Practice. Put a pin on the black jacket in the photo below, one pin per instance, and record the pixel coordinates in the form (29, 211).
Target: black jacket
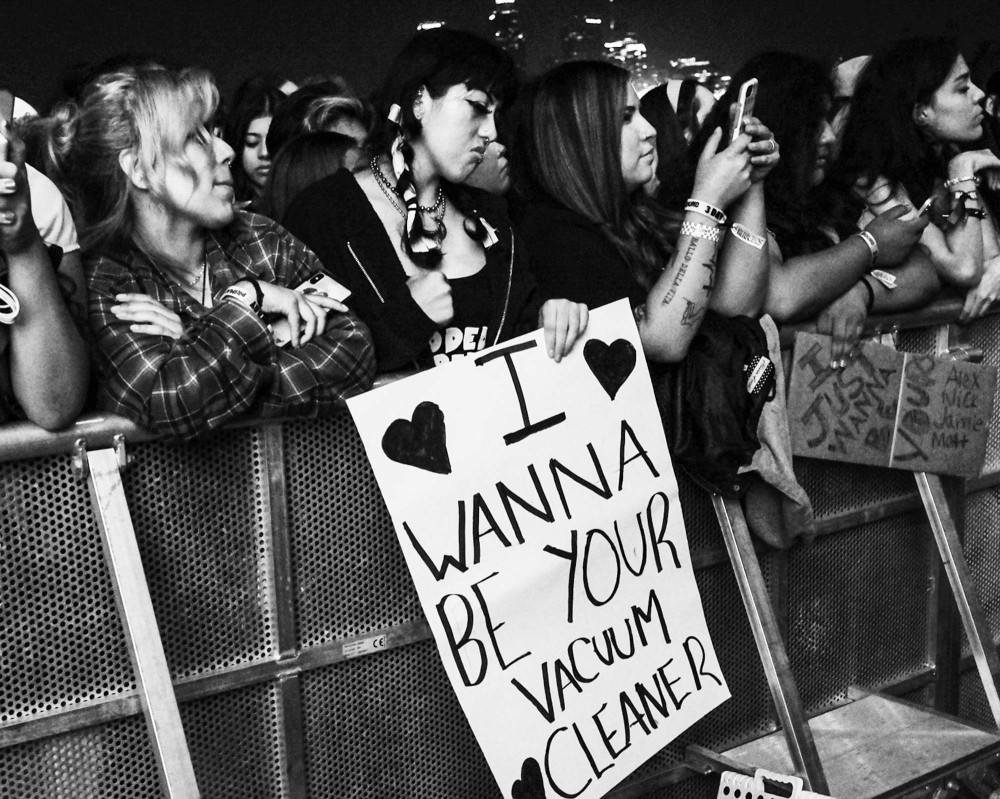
(334, 218)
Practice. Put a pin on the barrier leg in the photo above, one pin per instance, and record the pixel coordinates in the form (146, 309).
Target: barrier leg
(770, 647)
(962, 587)
(135, 608)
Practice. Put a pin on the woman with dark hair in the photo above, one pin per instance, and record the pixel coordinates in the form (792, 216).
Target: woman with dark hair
(432, 263)
(247, 123)
(820, 262)
(915, 115)
(182, 285)
(301, 162)
(582, 156)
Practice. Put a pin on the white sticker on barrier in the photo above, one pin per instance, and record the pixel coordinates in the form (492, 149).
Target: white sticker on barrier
(366, 646)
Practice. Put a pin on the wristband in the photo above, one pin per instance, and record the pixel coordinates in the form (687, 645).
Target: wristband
(871, 243)
(705, 209)
(871, 295)
(698, 231)
(241, 295)
(743, 234)
(257, 291)
(885, 278)
(955, 181)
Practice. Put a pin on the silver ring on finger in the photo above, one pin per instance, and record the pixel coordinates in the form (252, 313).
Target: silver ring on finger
(8, 185)
(7, 217)
(774, 146)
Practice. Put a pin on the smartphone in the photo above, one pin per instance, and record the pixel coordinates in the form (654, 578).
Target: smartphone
(316, 283)
(744, 107)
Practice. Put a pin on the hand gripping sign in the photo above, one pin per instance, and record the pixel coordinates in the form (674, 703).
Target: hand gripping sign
(538, 513)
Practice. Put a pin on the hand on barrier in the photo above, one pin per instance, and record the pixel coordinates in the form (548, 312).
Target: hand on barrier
(843, 320)
(981, 296)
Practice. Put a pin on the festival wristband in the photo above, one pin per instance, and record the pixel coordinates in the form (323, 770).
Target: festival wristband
(743, 234)
(871, 243)
(698, 231)
(885, 278)
(706, 209)
(242, 295)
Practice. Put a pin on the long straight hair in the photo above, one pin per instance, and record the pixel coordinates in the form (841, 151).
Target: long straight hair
(569, 147)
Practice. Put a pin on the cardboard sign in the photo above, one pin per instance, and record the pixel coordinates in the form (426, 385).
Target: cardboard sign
(538, 513)
(889, 408)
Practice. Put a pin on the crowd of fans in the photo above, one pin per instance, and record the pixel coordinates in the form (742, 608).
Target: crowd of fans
(173, 235)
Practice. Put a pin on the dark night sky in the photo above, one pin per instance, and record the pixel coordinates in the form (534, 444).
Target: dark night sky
(358, 37)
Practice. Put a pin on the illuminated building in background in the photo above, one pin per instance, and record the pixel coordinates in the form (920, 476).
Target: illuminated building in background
(507, 30)
(430, 24)
(584, 38)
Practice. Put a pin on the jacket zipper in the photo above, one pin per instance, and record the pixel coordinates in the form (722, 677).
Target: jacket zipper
(365, 273)
(506, 299)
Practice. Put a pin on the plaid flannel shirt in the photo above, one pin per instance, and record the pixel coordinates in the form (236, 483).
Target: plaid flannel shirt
(226, 364)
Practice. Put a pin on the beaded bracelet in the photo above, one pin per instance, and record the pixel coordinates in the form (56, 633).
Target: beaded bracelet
(706, 209)
(698, 231)
(955, 181)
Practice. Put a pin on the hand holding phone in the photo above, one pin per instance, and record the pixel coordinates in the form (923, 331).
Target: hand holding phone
(317, 283)
(744, 108)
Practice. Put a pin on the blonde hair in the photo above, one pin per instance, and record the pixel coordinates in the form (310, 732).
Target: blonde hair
(150, 113)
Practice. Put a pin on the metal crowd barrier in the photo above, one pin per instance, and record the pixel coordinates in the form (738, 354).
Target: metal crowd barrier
(299, 655)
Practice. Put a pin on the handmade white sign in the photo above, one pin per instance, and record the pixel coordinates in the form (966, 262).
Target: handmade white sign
(538, 513)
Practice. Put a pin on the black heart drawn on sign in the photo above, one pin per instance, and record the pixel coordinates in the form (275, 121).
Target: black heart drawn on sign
(610, 363)
(530, 786)
(420, 442)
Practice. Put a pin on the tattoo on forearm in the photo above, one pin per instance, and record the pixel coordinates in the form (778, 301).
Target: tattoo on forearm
(692, 314)
(681, 271)
(710, 266)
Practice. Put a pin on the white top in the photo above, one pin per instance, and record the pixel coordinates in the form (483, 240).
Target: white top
(50, 212)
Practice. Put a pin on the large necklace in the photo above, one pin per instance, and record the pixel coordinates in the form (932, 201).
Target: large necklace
(391, 192)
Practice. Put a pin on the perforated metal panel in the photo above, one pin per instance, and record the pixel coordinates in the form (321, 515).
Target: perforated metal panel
(197, 511)
(61, 642)
(111, 761)
(837, 488)
(699, 518)
(236, 744)
(749, 713)
(982, 525)
(349, 571)
(859, 608)
(390, 725)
